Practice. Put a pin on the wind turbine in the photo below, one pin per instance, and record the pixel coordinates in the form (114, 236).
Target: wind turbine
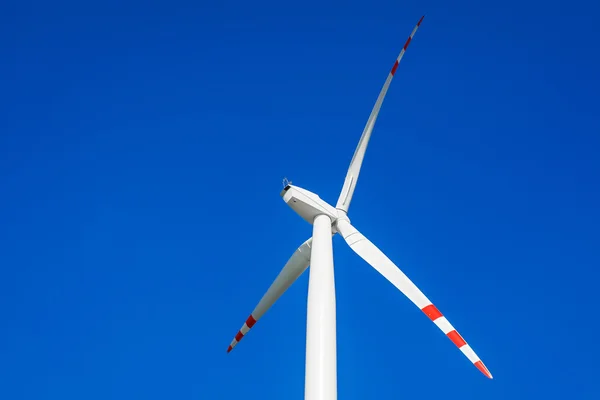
(321, 369)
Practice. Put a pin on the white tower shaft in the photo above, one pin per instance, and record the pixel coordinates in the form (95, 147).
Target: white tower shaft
(321, 366)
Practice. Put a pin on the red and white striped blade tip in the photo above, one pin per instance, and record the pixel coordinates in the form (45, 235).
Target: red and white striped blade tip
(244, 330)
(480, 366)
(438, 318)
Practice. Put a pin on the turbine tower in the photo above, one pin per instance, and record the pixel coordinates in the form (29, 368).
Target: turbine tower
(321, 369)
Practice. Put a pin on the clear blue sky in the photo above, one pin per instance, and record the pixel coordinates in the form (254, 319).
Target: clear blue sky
(142, 148)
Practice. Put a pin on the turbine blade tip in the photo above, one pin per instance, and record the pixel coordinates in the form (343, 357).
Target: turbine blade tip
(421, 20)
(229, 349)
(481, 367)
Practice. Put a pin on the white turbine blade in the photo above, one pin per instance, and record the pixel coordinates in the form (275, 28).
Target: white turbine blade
(295, 266)
(354, 170)
(375, 257)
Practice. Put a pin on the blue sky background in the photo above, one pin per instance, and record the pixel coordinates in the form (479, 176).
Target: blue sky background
(142, 148)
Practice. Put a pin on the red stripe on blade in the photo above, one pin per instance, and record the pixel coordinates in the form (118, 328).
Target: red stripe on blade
(432, 312)
(394, 68)
(456, 339)
(483, 369)
(421, 20)
(229, 349)
(250, 321)
(239, 336)
(407, 43)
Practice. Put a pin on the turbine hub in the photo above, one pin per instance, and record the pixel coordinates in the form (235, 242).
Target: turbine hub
(341, 216)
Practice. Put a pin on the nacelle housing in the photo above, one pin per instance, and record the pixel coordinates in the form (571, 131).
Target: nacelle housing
(307, 204)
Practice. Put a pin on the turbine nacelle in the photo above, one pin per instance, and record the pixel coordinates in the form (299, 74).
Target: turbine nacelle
(307, 204)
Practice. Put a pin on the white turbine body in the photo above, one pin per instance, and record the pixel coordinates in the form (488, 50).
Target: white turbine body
(320, 373)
